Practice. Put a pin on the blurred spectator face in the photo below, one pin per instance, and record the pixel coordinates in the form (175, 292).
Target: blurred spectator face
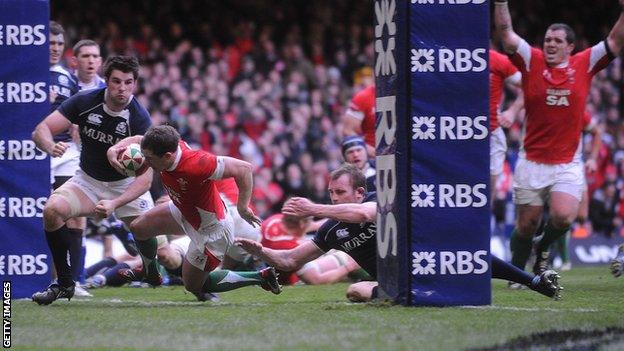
(88, 60)
(356, 155)
(293, 173)
(556, 47)
(57, 45)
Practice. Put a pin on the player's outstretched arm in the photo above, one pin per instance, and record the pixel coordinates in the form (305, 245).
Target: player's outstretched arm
(44, 133)
(351, 212)
(242, 172)
(504, 28)
(615, 39)
(114, 151)
(284, 260)
(138, 187)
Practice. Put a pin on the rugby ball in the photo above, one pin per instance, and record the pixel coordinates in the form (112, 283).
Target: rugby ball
(132, 159)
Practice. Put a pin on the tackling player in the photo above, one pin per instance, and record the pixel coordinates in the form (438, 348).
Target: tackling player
(196, 208)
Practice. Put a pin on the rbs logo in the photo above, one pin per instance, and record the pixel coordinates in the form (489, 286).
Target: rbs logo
(450, 128)
(449, 195)
(23, 92)
(20, 150)
(449, 60)
(22, 207)
(23, 34)
(450, 263)
(23, 264)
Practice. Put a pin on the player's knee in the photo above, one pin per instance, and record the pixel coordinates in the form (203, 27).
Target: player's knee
(561, 221)
(527, 224)
(138, 228)
(527, 228)
(53, 213)
(77, 223)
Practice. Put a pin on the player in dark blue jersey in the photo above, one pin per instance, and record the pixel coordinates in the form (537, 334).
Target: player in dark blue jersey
(352, 229)
(88, 61)
(104, 116)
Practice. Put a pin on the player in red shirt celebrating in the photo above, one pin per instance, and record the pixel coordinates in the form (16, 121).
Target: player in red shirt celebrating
(196, 208)
(555, 84)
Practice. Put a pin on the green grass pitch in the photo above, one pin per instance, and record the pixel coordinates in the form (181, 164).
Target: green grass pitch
(320, 318)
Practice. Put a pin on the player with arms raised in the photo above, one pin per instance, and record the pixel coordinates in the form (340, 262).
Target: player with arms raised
(555, 84)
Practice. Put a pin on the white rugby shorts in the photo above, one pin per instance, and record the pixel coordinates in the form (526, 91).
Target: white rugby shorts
(210, 243)
(97, 190)
(498, 151)
(533, 182)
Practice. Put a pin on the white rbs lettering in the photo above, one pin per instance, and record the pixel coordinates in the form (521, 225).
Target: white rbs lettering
(23, 92)
(22, 34)
(462, 60)
(463, 262)
(462, 195)
(463, 128)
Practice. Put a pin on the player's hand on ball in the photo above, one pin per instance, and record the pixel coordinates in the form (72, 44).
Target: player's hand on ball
(249, 216)
(104, 208)
(58, 149)
(253, 247)
(113, 154)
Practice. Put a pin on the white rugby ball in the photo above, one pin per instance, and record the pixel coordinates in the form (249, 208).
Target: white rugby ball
(132, 159)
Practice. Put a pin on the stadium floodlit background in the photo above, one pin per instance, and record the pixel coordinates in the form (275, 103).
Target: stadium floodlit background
(268, 81)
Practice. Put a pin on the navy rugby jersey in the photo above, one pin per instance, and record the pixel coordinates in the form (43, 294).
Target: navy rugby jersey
(65, 85)
(356, 239)
(97, 83)
(100, 128)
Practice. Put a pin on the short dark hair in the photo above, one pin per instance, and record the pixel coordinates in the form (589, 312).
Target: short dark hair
(126, 64)
(56, 28)
(160, 140)
(570, 36)
(355, 175)
(84, 42)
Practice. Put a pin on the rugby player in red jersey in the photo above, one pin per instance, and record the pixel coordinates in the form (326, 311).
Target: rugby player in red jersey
(555, 84)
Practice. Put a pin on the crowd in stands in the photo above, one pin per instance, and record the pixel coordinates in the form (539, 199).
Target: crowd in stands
(268, 81)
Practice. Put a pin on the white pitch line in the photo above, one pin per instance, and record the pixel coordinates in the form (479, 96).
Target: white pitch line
(532, 309)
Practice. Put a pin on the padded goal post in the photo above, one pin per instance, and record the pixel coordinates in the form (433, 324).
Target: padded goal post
(433, 221)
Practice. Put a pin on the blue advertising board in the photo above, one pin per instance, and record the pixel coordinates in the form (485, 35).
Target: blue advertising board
(432, 140)
(24, 170)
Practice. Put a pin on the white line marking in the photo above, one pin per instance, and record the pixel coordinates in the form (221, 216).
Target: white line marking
(532, 309)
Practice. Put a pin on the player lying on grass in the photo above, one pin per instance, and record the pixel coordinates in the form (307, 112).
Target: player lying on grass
(196, 209)
(352, 229)
(284, 232)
